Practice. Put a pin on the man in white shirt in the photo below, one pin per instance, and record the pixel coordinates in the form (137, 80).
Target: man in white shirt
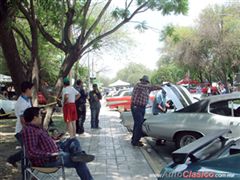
(69, 96)
(23, 102)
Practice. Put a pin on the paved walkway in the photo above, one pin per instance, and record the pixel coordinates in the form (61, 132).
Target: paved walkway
(115, 158)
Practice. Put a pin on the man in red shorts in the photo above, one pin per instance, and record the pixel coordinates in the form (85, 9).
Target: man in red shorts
(69, 96)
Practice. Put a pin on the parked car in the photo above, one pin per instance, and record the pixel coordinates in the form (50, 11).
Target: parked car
(194, 120)
(6, 107)
(199, 119)
(121, 102)
(210, 157)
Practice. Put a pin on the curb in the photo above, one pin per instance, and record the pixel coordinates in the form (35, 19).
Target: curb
(153, 159)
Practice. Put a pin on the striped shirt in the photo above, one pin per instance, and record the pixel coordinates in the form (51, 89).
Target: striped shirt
(38, 144)
(141, 93)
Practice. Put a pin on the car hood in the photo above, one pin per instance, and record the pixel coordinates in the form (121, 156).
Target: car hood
(180, 96)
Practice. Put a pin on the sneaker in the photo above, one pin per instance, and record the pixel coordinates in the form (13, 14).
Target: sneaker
(82, 157)
(80, 131)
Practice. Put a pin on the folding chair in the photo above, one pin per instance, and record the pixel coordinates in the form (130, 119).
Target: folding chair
(31, 171)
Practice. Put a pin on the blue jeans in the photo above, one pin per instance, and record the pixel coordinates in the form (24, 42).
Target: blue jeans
(18, 156)
(69, 147)
(138, 113)
(95, 116)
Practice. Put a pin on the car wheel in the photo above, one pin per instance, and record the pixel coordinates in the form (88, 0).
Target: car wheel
(185, 138)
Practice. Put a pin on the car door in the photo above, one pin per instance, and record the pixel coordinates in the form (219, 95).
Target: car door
(165, 126)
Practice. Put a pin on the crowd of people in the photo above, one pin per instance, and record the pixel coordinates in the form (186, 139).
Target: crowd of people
(43, 150)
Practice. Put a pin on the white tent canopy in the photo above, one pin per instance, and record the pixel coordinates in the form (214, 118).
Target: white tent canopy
(4, 78)
(119, 83)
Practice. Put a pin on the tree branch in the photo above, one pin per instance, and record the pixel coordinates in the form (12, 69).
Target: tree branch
(67, 27)
(84, 24)
(50, 38)
(23, 37)
(97, 20)
(25, 13)
(129, 4)
(114, 29)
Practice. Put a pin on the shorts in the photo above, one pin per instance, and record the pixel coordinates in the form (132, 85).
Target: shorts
(69, 112)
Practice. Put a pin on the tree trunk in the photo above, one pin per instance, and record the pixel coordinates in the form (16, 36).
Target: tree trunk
(35, 62)
(64, 71)
(10, 51)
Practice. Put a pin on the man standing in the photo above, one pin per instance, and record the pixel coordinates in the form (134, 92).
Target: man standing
(23, 102)
(140, 98)
(81, 107)
(95, 105)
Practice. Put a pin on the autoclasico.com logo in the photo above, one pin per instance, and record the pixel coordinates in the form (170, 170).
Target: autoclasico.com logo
(195, 175)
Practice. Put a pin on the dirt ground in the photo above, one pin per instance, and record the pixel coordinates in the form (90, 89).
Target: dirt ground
(8, 145)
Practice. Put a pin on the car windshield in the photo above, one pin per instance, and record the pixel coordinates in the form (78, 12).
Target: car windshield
(119, 92)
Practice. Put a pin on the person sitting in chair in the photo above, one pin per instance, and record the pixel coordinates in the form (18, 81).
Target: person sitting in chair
(42, 151)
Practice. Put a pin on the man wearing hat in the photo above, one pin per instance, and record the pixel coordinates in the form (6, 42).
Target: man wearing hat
(69, 96)
(140, 98)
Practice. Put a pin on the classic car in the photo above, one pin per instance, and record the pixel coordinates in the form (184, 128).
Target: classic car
(178, 94)
(210, 157)
(121, 102)
(6, 107)
(190, 120)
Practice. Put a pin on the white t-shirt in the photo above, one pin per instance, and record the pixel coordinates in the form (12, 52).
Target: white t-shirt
(21, 105)
(71, 92)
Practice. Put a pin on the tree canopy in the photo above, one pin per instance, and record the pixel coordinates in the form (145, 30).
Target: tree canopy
(210, 49)
(132, 73)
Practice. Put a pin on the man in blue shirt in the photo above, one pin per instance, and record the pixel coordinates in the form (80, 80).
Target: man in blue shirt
(160, 104)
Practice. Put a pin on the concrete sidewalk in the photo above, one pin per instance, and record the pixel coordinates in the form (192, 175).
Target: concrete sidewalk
(115, 157)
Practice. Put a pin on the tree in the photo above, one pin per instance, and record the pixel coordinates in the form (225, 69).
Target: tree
(70, 26)
(211, 48)
(132, 73)
(167, 72)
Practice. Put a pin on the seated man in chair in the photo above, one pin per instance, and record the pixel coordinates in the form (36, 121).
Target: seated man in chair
(42, 151)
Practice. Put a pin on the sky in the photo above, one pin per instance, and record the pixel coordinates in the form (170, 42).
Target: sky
(146, 49)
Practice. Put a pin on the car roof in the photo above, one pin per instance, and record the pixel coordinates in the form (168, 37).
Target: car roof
(201, 106)
(223, 97)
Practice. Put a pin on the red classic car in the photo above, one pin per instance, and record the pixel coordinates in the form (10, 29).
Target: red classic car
(121, 102)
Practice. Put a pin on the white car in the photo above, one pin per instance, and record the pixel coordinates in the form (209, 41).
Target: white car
(6, 107)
